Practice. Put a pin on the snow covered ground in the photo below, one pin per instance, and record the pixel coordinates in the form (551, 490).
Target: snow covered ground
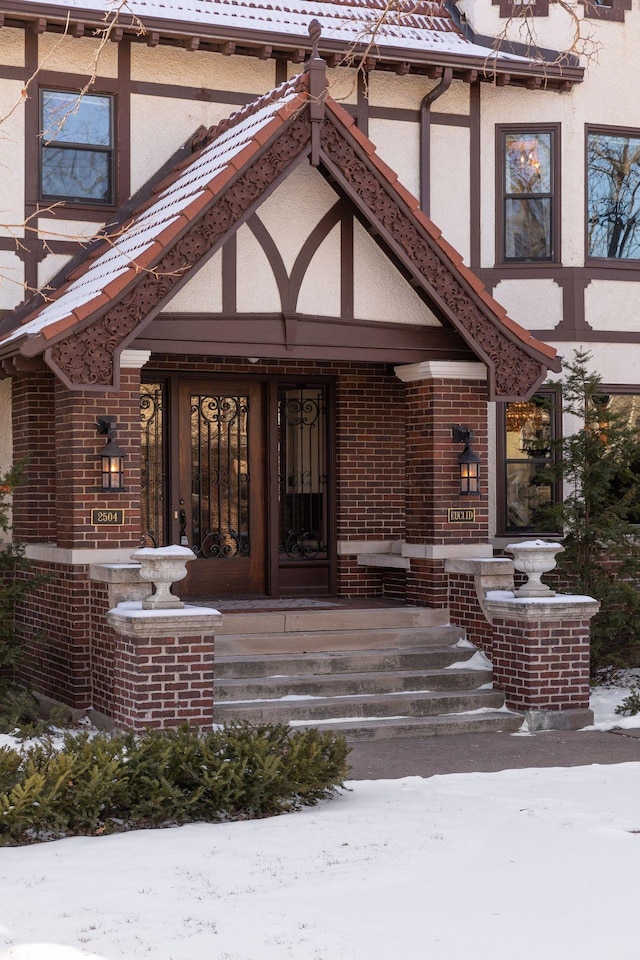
(525, 863)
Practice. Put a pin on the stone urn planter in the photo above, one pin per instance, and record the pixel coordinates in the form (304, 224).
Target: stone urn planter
(163, 566)
(534, 557)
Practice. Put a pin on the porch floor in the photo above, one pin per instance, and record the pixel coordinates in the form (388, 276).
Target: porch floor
(273, 605)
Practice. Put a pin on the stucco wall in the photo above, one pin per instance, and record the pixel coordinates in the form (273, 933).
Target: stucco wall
(200, 69)
(88, 55)
(11, 47)
(450, 195)
(381, 293)
(11, 158)
(536, 304)
(154, 143)
(604, 312)
(11, 280)
(398, 144)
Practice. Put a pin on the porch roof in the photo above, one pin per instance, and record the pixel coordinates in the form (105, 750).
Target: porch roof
(124, 278)
(420, 34)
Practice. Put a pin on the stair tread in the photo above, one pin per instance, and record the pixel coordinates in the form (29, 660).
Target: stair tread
(337, 654)
(287, 700)
(347, 677)
(443, 724)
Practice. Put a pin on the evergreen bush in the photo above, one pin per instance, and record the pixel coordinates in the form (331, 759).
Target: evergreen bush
(101, 784)
(598, 516)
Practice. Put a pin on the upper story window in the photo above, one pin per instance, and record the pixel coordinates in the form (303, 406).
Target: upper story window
(527, 230)
(606, 9)
(613, 195)
(77, 147)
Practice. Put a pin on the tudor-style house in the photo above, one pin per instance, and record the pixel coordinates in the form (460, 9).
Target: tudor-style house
(306, 275)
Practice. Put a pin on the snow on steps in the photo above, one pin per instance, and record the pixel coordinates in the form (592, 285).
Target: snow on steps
(405, 673)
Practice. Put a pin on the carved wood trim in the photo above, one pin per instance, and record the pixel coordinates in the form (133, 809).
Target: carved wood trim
(87, 357)
(513, 373)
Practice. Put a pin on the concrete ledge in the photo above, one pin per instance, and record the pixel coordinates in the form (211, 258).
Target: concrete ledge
(51, 553)
(537, 720)
(123, 581)
(348, 548)
(501, 603)
(445, 551)
(115, 572)
(383, 560)
(131, 620)
(480, 566)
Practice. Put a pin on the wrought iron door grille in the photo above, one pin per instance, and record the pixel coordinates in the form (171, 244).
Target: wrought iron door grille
(220, 476)
(153, 472)
(302, 474)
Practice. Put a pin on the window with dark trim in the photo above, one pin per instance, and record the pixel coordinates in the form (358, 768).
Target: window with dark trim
(526, 431)
(613, 194)
(76, 147)
(523, 8)
(610, 10)
(528, 225)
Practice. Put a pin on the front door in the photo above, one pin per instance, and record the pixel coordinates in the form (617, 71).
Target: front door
(240, 471)
(220, 501)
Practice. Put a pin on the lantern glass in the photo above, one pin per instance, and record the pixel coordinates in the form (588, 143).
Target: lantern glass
(469, 478)
(112, 472)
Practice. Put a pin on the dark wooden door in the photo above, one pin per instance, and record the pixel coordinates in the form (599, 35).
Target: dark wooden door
(220, 504)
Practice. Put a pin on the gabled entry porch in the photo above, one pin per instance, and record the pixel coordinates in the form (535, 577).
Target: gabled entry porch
(301, 375)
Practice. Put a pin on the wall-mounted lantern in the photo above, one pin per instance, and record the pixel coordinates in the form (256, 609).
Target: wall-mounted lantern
(111, 456)
(469, 462)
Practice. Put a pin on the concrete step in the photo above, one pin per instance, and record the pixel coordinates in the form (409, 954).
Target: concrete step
(406, 704)
(321, 640)
(349, 661)
(340, 618)
(489, 721)
(350, 684)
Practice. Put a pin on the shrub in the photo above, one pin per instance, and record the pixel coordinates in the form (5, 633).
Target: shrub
(103, 784)
(599, 515)
(630, 706)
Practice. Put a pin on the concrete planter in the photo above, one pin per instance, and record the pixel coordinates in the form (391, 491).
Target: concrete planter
(534, 557)
(163, 566)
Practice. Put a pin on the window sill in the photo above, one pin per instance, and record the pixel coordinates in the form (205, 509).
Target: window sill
(63, 210)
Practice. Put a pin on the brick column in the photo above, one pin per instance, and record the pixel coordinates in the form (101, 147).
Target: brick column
(56, 427)
(541, 658)
(162, 666)
(439, 395)
(539, 647)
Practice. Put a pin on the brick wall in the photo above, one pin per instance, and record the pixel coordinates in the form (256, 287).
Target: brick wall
(163, 681)
(34, 441)
(78, 480)
(433, 407)
(542, 666)
(54, 622)
(465, 611)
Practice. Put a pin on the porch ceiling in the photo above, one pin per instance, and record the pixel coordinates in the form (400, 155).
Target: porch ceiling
(129, 275)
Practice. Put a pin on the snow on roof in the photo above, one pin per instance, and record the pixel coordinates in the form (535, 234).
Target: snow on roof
(130, 250)
(424, 25)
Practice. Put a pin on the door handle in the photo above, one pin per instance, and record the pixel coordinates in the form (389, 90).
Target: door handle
(182, 516)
